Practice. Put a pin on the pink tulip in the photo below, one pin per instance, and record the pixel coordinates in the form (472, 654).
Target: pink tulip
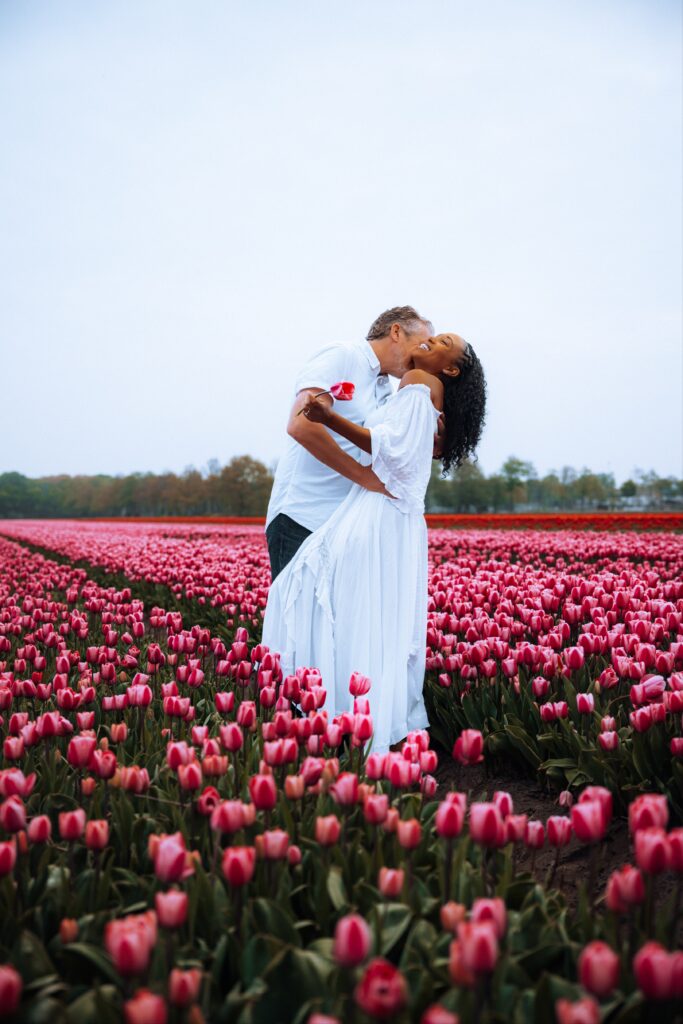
(352, 940)
(486, 825)
(238, 864)
(171, 908)
(598, 969)
(184, 986)
(469, 747)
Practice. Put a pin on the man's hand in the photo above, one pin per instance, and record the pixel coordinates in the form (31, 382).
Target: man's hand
(439, 438)
(316, 409)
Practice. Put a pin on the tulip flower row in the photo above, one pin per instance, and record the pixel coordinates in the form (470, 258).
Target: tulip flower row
(175, 835)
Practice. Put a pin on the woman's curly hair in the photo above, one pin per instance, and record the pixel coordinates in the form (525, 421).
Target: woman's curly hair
(464, 407)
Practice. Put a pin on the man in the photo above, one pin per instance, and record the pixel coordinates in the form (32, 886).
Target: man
(318, 468)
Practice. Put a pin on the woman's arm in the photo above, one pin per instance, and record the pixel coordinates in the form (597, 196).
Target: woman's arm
(318, 411)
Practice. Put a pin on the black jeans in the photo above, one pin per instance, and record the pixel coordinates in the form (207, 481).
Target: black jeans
(284, 537)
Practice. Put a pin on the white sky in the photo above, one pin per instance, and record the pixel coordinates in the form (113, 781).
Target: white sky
(195, 196)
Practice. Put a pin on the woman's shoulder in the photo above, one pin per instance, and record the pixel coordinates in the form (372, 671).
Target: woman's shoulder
(427, 380)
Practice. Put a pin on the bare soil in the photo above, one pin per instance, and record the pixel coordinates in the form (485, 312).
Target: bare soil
(531, 798)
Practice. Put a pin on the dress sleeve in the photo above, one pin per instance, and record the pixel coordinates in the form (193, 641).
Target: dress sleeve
(331, 364)
(403, 442)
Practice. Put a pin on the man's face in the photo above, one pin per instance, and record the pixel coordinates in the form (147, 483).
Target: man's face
(411, 342)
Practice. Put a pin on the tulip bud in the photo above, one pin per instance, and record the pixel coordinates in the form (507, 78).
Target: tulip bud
(390, 882)
(598, 969)
(351, 941)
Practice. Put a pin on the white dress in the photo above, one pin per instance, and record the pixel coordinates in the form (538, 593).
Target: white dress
(354, 597)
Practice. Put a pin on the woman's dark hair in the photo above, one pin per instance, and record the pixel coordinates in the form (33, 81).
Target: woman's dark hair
(464, 407)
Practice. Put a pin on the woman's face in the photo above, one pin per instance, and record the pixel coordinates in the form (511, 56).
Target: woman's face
(439, 354)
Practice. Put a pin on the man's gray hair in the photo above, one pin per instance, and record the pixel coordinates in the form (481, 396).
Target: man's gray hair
(409, 319)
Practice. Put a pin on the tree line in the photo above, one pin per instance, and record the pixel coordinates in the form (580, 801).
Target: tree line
(242, 488)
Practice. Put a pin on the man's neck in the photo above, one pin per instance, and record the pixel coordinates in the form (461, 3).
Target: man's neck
(389, 361)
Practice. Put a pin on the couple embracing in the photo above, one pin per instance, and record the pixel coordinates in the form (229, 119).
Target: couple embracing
(345, 526)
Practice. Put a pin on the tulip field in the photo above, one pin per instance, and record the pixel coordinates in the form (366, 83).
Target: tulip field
(186, 835)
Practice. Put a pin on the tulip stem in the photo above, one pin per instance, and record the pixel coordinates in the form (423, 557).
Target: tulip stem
(448, 865)
(676, 911)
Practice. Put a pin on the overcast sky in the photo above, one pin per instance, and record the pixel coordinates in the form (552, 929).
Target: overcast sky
(195, 196)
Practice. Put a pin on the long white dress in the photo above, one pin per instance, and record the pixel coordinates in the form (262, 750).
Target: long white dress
(354, 597)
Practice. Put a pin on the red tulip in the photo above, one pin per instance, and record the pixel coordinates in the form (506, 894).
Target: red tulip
(585, 703)
(469, 747)
(11, 987)
(583, 1011)
(183, 986)
(390, 882)
(103, 763)
(650, 810)
(601, 794)
(145, 1008)
(345, 789)
(574, 658)
(460, 974)
(449, 820)
(68, 930)
(228, 816)
(589, 821)
(343, 392)
(39, 829)
(359, 684)
(352, 940)
(652, 850)
(8, 857)
(238, 864)
(535, 835)
(409, 833)
(72, 824)
(598, 969)
(375, 808)
(559, 830)
(675, 838)
(479, 944)
(263, 792)
(327, 830)
(97, 834)
(676, 746)
(170, 858)
(625, 888)
(653, 970)
(452, 915)
(273, 844)
(608, 740)
(13, 814)
(190, 776)
(515, 828)
(486, 825)
(490, 910)
(382, 991)
(129, 942)
(171, 908)
(504, 803)
(80, 750)
(437, 1014)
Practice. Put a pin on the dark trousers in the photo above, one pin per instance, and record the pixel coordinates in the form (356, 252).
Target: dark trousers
(284, 538)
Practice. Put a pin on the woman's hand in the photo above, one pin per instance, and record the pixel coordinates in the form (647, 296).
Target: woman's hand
(316, 411)
(371, 482)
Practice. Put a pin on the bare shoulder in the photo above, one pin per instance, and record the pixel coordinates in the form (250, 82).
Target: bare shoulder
(422, 377)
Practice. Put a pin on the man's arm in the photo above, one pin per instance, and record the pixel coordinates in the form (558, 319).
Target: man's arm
(316, 440)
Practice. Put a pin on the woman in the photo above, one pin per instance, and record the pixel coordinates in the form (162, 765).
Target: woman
(354, 597)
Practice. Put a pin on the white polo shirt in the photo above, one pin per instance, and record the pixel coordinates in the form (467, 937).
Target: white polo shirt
(305, 489)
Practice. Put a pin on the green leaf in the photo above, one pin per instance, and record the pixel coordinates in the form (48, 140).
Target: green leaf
(94, 957)
(336, 889)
